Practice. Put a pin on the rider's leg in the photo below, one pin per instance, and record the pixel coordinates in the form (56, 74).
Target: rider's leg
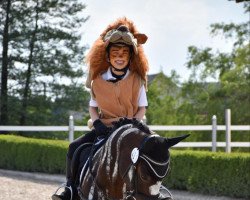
(70, 189)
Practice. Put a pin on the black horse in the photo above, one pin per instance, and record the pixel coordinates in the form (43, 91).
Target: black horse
(130, 165)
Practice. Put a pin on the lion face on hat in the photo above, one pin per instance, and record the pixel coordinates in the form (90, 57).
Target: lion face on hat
(124, 31)
(121, 35)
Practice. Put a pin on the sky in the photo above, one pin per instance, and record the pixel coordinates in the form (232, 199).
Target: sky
(171, 26)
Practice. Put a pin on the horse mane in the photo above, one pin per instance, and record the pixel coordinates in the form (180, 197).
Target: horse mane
(135, 122)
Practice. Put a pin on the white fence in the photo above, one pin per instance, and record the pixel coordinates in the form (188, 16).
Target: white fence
(228, 144)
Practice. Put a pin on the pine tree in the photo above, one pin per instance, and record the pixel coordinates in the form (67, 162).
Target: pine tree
(45, 52)
(4, 14)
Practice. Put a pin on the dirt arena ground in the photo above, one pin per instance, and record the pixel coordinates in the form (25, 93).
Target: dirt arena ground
(33, 186)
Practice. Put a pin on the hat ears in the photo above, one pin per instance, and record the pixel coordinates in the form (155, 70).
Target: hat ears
(141, 38)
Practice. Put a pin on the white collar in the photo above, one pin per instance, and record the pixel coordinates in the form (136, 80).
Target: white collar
(108, 75)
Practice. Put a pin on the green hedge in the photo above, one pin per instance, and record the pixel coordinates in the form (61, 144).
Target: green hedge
(210, 173)
(205, 172)
(27, 154)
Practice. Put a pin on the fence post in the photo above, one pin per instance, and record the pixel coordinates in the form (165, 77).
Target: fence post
(214, 133)
(144, 119)
(228, 130)
(71, 128)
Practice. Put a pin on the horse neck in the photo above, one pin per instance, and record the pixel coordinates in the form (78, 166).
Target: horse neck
(114, 158)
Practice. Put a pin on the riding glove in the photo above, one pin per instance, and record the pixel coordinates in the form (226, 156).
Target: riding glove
(101, 129)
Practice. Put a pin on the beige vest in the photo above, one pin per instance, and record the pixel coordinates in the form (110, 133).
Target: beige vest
(116, 100)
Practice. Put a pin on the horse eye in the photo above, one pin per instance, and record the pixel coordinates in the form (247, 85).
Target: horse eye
(143, 177)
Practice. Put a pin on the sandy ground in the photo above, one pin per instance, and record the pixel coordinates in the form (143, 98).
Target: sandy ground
(21, 189)
(30, 186)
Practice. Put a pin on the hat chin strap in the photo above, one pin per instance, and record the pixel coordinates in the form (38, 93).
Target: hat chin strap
(125, 69)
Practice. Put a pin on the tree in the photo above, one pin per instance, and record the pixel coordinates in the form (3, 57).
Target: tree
(163, 99)
(232, 70)
(197, 100)
(45, 51)
(5, 12)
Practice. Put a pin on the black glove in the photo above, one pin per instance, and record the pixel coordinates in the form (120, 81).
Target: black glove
(101, 129)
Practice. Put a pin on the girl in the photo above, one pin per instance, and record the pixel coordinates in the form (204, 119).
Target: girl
(117, 79)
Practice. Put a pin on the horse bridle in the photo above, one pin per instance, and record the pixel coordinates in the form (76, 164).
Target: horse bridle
(133, 191)
(130, 194)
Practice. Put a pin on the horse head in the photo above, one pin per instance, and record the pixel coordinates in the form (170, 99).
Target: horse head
(153, 165)
(131, 164)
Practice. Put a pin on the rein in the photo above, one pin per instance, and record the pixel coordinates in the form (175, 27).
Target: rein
(93, 175)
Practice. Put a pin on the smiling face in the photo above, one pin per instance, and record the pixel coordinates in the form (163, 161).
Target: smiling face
(119, 56)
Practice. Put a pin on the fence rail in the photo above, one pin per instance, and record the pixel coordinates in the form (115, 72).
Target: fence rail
(152, 127)
(213, 128)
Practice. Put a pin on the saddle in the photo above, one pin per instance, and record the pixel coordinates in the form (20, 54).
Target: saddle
(82, 158)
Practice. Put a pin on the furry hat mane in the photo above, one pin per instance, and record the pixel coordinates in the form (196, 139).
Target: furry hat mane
(96, 58)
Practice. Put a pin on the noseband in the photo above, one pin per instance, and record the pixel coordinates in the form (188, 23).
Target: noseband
(135, 155)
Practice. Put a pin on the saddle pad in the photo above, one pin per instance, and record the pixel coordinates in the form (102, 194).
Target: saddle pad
(86, 164)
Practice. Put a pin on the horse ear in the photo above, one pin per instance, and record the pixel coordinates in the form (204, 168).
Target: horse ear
(173, 141)
(141, 38)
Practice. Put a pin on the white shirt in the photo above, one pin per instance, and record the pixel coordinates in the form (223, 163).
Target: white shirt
(142, 99)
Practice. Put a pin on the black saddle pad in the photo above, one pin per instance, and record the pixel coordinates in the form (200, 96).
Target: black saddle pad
(79, 158)
(85, 155)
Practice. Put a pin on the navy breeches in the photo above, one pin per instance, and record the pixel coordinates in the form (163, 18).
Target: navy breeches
(87, 138)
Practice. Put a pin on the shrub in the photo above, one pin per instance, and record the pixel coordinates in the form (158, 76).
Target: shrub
(204, 172)
(211, 173)
(27, 154)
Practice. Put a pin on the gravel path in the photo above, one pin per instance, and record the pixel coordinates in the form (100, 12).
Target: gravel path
(35, 186)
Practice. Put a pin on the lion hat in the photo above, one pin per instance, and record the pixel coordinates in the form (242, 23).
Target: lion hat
(124, 30)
